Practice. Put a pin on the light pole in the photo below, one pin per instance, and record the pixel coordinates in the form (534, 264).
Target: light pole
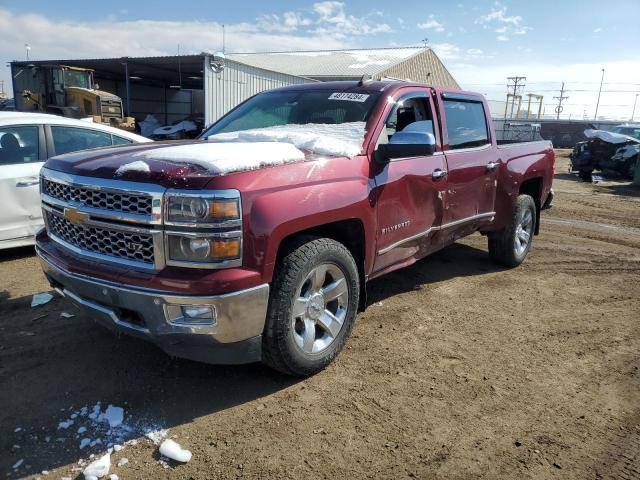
(27, 47)
(599, 92)
(633, 113)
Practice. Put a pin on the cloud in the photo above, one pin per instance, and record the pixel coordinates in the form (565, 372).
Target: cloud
(446, 51)
(332, 19)
(474, 52)
(597, 30)
(500, 16)
(502, 38)
(431, 24)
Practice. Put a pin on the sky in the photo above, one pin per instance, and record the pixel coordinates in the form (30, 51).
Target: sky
(481, 42)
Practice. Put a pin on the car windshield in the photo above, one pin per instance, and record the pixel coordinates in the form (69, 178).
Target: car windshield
(630, 131)
(297, 108)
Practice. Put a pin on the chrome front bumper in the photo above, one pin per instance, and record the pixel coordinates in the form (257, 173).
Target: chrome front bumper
(234, 338)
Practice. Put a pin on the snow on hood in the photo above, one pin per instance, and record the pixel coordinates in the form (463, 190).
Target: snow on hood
(609, 137)
(223, 158)
(341, 140)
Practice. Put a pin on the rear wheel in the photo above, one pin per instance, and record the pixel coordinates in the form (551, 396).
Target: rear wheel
(313, 304)
(510, 246)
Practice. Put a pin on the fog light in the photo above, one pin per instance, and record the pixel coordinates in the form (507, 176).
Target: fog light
(198, 314)
(190, 315)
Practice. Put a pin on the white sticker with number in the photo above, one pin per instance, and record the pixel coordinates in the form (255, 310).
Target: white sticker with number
(349, 97)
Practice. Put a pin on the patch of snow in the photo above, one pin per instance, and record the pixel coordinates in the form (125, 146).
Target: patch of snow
(40, 299)
(67, 315)
(84, 442)
(156, 436)
(66, 424)
(123, 461)
(174, 451)
(113, 415)
(117, 448)
(18, 429)
(185, 125)
(340, 140)
(18, 463)
(223, 158)
(83, 410)
(45, 472)
(137, 166)
(82, 429)
(113, 476)
(98, 468)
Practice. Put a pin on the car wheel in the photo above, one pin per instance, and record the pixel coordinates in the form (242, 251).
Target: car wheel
(312, 306)
(510, 246)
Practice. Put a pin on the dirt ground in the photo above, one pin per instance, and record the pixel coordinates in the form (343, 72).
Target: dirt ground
(458, 369)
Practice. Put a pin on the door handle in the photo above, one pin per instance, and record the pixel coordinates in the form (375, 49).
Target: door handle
(27, 182)
(438, 174)
(492, 165)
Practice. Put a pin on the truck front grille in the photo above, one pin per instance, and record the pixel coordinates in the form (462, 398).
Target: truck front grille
(120, 202)
(111, 109)
(137, 247)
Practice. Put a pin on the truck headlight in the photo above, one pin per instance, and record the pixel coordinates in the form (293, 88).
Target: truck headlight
(204, 208)
(202, 249)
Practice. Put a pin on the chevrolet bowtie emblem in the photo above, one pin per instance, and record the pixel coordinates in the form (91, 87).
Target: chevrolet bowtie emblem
(75, 215)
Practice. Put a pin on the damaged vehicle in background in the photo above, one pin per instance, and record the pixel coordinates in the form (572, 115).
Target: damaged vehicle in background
(607, 151)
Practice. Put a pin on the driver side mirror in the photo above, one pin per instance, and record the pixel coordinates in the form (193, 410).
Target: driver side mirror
(408, 144)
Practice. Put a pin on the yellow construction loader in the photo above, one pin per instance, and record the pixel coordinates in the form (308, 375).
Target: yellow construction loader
(71, 92)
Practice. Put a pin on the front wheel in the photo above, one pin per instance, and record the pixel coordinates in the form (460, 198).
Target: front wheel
(313, 303)
(510, 245)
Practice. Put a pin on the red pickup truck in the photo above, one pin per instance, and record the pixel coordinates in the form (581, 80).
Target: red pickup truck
(256, 241)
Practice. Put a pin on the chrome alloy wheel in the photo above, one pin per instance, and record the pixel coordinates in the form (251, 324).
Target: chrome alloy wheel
(319, 308)
(524, 231)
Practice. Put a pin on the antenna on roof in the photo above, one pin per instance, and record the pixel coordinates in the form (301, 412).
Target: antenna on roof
(365, 80)
(425, 42)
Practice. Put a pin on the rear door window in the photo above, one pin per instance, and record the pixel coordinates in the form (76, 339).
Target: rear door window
(19, 144)
(71, 139)
(121, 140)
(466, 124)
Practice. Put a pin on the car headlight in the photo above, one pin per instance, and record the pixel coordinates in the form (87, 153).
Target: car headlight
(203, 208)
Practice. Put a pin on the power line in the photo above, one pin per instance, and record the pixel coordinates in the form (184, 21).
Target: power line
(517, 84)
(560, 99)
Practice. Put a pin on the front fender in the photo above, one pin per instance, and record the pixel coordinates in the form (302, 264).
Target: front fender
(276, 215)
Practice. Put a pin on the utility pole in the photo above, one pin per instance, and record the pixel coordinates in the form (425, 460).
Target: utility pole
(516, 84)
(633, 113)
(27, 47)
(560, 99)
(599, 92)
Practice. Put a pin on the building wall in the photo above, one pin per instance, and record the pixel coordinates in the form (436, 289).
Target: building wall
(424, 67)
(237, 82)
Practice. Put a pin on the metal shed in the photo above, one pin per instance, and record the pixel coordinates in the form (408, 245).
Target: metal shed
(418, 64)
(170, 88)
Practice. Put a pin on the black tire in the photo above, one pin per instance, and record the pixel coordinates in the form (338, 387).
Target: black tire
(279, 348)
(502, 244)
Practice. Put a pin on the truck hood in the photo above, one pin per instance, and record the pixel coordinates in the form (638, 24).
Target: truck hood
(177, 164)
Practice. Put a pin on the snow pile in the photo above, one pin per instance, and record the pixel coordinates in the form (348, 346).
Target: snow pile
(156, 436)
(138, 166)
(98, 468)
(112, 415)
(222, 158)
(174, 451)
(340, 140)
(40, 299)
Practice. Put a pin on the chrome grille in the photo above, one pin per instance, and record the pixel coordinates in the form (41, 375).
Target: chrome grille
(137, 247)
(105, 200)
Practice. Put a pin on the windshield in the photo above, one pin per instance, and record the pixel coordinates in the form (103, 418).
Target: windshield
(300, 108)
(74, 78)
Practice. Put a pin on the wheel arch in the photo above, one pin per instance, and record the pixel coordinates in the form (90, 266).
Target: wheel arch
(533, 188)
(349, 232)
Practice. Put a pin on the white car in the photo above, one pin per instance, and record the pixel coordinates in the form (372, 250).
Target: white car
(27, 140)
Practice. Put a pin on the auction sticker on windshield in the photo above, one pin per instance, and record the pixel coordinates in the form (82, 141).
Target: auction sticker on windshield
(349, 97)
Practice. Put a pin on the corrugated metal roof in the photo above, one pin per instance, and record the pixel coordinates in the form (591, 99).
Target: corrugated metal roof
(329, 63)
